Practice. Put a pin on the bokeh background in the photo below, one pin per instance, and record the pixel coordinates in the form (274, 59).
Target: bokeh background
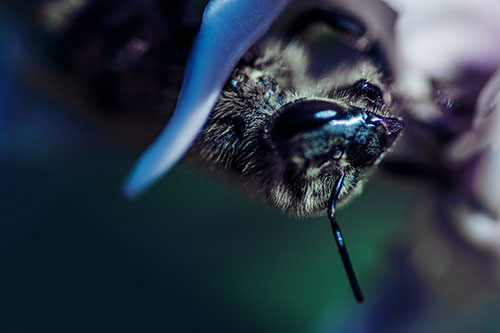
(193, 255)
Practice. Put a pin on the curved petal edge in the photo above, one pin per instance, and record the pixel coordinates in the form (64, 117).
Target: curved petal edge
(228, 30)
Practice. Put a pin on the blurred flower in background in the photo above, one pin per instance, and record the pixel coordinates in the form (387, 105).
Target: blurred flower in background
(448, 59)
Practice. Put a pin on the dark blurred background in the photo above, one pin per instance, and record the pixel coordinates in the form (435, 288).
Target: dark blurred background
(191, 255)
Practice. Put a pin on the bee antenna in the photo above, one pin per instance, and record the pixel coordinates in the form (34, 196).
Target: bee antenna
(339, 239)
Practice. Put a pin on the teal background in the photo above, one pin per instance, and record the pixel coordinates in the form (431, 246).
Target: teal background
(190, 254)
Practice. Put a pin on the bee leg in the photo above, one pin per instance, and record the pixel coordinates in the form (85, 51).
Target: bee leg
(345, 24)
(350, 29)
(339, 239)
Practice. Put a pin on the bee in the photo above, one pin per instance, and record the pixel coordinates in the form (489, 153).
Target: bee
(289, 136)
(306, 112)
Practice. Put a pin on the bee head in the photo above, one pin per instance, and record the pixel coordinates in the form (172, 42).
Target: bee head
(324, 131)
(301, 110)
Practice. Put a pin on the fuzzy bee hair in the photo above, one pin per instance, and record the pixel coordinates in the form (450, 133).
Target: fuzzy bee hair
(142, 82)
(236, 138)
(300, 127)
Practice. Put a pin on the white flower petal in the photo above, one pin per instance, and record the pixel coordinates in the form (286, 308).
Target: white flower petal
(228, 29)
(434, 38)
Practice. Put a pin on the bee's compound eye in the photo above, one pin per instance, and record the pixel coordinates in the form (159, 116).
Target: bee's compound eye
(303, 116)
(369, 91)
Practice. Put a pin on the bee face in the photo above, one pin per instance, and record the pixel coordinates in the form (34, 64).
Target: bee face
(305, 104)
(289, 135)
(301, 122)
